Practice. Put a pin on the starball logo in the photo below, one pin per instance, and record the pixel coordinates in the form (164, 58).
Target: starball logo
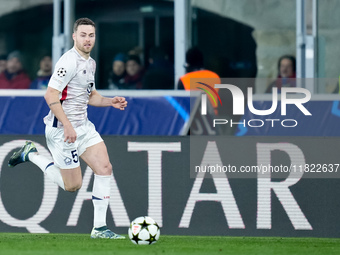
(239, 104)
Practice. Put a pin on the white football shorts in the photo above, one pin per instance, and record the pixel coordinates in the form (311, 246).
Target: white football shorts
(66, 155)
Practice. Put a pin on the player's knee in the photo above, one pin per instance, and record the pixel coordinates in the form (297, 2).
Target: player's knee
(74, 187)
(106, 169)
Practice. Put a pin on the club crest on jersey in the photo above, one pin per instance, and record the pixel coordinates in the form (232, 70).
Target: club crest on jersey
(67, 161)
(89, 88)
(61, 72)
(84, 72)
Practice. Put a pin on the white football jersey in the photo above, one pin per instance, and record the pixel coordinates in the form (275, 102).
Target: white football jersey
(74, 77)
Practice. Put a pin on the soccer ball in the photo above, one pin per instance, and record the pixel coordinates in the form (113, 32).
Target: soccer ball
(144, 230)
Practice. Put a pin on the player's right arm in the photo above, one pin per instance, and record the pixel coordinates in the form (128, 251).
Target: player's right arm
(65, 70)
(52, 100)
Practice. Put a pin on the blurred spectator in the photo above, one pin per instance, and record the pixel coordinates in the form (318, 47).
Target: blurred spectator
(44, 74)
(116, 76)
(134, 73)
(286, 74)
(160, 74)
(14, 77)
(195, 68)
(3, 62)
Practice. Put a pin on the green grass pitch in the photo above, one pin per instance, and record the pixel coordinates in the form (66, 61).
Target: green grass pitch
(74, 244)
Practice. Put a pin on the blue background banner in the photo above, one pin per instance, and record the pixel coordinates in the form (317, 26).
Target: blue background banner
(154, 115)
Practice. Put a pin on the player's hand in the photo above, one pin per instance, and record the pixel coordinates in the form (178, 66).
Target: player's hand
(119, 103)
(69, 134)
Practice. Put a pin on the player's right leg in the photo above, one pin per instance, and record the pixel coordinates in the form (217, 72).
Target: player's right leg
(94, 152)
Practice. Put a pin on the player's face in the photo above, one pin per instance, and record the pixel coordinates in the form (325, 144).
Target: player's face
(84, 39)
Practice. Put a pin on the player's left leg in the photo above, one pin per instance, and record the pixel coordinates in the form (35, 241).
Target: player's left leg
(28, 152)
(97, 158)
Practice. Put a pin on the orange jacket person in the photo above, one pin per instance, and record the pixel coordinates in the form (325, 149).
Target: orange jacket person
(195, 70)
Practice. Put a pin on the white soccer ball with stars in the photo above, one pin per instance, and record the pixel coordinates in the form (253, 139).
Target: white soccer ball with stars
(144, 231)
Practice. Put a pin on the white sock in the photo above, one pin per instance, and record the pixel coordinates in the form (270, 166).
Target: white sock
(100, 199)
(48, 168)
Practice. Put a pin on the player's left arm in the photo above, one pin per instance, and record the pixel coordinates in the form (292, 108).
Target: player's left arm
(99, 101)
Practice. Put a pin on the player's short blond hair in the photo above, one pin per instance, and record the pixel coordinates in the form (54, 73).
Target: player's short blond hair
(82, 21)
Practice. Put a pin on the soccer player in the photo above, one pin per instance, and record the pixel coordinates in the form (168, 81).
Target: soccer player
(69, 133)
